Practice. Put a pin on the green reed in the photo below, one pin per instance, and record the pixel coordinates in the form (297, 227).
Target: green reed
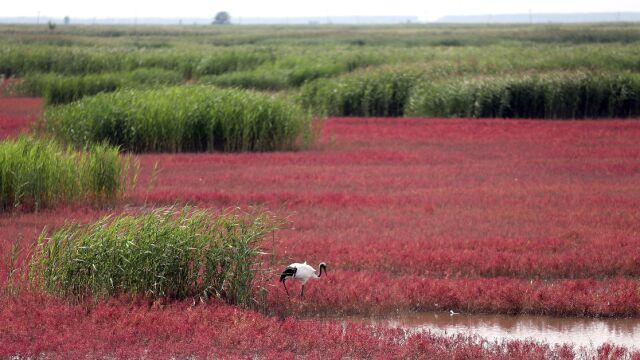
(172, 253)
(37, 173)
(188, 118)
(545, 96)
(62, 89)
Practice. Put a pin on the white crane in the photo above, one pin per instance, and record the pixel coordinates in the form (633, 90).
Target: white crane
(301, 272)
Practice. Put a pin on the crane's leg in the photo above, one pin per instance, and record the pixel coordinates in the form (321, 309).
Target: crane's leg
(285, 288)
(302, 292)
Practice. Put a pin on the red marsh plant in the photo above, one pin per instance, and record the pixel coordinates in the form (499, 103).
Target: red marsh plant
(52, 328)
(411, 214)
(17, 114)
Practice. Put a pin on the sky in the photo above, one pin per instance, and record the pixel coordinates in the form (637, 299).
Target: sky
(425, 10)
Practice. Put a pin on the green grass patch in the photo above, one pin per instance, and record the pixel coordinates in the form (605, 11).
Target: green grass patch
(167, 253)
(294, 70)
(187, 118)
(375, 92)
(231, 60)
(254, 79)
(550, 96)
(37, 173)
(62, 89)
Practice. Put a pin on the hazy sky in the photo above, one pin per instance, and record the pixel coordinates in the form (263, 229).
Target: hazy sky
(425, 10)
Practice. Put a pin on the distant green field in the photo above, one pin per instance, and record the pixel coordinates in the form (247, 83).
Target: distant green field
(328, 69)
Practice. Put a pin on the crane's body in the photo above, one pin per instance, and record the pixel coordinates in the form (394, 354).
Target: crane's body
(301, 272)
(304, 272)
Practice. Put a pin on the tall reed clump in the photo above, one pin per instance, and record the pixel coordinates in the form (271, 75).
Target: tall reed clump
(166, 253)
(222, 61)
(27, 58)
(550, 96)
(293, 70)
(62, 89)
(367, 93)
(24, 59)
(37, 173)
(277, 76)
(192, 118)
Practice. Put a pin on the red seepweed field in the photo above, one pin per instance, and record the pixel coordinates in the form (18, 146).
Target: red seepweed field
(17, 114)
(508, 216)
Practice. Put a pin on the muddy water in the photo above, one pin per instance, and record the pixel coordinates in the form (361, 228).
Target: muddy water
(575, 331)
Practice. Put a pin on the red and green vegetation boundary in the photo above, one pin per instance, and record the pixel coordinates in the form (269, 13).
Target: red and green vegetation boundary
(473, 216)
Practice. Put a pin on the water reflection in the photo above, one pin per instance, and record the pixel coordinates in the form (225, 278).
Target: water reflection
(553, 330)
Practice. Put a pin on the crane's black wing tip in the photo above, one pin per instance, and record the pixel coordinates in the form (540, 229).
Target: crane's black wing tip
(289, 271)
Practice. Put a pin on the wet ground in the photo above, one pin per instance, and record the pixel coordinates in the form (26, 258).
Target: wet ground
(553, 330)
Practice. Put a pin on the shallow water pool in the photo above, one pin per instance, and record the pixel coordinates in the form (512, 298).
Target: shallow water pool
(553, 330)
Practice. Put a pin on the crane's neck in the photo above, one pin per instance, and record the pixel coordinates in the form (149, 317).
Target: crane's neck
(322, 269)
